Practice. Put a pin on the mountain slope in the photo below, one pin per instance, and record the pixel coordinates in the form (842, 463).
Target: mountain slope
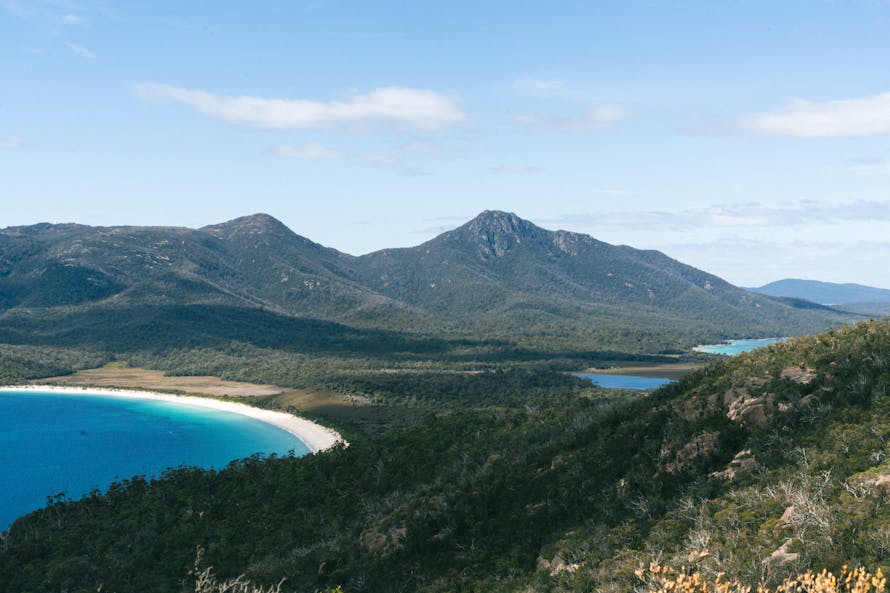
(496, 275)
(500, 266)
(254, 261)
(826, 293)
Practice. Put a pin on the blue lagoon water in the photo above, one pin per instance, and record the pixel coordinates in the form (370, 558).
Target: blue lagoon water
(733, 347)
(54, 443)
(624, 381)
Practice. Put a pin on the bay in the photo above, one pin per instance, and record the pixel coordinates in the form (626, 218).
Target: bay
(53, 443)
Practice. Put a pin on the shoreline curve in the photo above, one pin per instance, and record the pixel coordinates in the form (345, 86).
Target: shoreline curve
(316, 437)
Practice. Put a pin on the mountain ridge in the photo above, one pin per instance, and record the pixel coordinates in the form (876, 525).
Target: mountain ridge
(495, 274)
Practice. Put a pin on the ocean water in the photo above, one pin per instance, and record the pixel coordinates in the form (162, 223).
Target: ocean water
(733, 347)
(624, 381)
(53, 443)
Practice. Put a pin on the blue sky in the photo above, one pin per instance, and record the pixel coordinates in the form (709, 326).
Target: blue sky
(750, 139)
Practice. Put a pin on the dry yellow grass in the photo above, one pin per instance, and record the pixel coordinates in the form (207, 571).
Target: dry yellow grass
(146, 379)
(665, 579)
(666, 371)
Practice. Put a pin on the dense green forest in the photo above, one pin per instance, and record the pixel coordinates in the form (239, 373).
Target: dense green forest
(774, 461)
(496, 278)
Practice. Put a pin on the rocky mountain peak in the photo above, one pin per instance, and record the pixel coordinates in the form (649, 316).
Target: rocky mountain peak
(254, 224)
(496, 233)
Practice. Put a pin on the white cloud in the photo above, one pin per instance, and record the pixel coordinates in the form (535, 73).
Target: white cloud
(81, 51)
(513, 169)
(595, 119)
(306, 151)
(416, 108)
(865, 116)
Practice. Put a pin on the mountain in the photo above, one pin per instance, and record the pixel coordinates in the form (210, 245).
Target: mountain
(253, 261)
(501, 269)
(826, 293)
(773, 461)
(497, 275)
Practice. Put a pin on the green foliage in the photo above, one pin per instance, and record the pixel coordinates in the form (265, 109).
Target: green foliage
(495, 278)
(559, 490)
(21, 363)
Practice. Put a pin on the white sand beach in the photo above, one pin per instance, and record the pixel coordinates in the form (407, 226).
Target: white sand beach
(316, 437)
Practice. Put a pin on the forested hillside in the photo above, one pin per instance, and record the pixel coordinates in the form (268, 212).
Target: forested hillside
(497, 276)
(773, 461)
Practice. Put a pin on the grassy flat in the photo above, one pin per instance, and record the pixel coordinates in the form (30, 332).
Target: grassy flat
(114, 375)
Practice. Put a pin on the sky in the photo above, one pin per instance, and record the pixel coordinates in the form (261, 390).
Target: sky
(750, 139)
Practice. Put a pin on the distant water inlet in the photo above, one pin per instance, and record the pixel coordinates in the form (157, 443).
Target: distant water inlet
(733, 347)
(624, 381)
(63, 443)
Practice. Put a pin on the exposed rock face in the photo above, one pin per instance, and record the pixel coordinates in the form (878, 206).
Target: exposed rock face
(701, 445)
(498, 233)
(376, 541)
(876, 486)
(557, 565)
(746, 408)
(787, 518)
(743, 461)
(782, 556)
(801, 374)
(882, 485)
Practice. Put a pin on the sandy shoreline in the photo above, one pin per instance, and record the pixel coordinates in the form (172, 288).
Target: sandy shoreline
(316, 437)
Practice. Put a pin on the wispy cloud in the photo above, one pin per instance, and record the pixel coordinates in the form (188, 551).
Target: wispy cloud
(832, 261)
(81, 51)
(877, 166)
(313, 152)
(595, 119)
(735, 215)
(72, 19)
(514, 169)
(14, 142)
(414, 108)
(51, 12)
(394, 163)
(866, 116)
(537, 86)
(611, 192)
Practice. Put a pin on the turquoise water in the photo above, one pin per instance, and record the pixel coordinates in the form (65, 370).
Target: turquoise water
(733, 347)
(624, 381)
(52, 443)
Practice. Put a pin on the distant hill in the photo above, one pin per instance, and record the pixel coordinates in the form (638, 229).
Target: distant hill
(824, 293)
(495, 275)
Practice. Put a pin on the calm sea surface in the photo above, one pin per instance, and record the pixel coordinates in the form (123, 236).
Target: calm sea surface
(624, 381)
(733, 347)
(52, 443)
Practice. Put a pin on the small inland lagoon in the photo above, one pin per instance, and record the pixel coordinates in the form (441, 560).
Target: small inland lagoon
(54, 443)
(609, 381)
(733, 347)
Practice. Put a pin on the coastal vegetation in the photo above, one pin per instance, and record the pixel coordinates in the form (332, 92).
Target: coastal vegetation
(774, 461)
